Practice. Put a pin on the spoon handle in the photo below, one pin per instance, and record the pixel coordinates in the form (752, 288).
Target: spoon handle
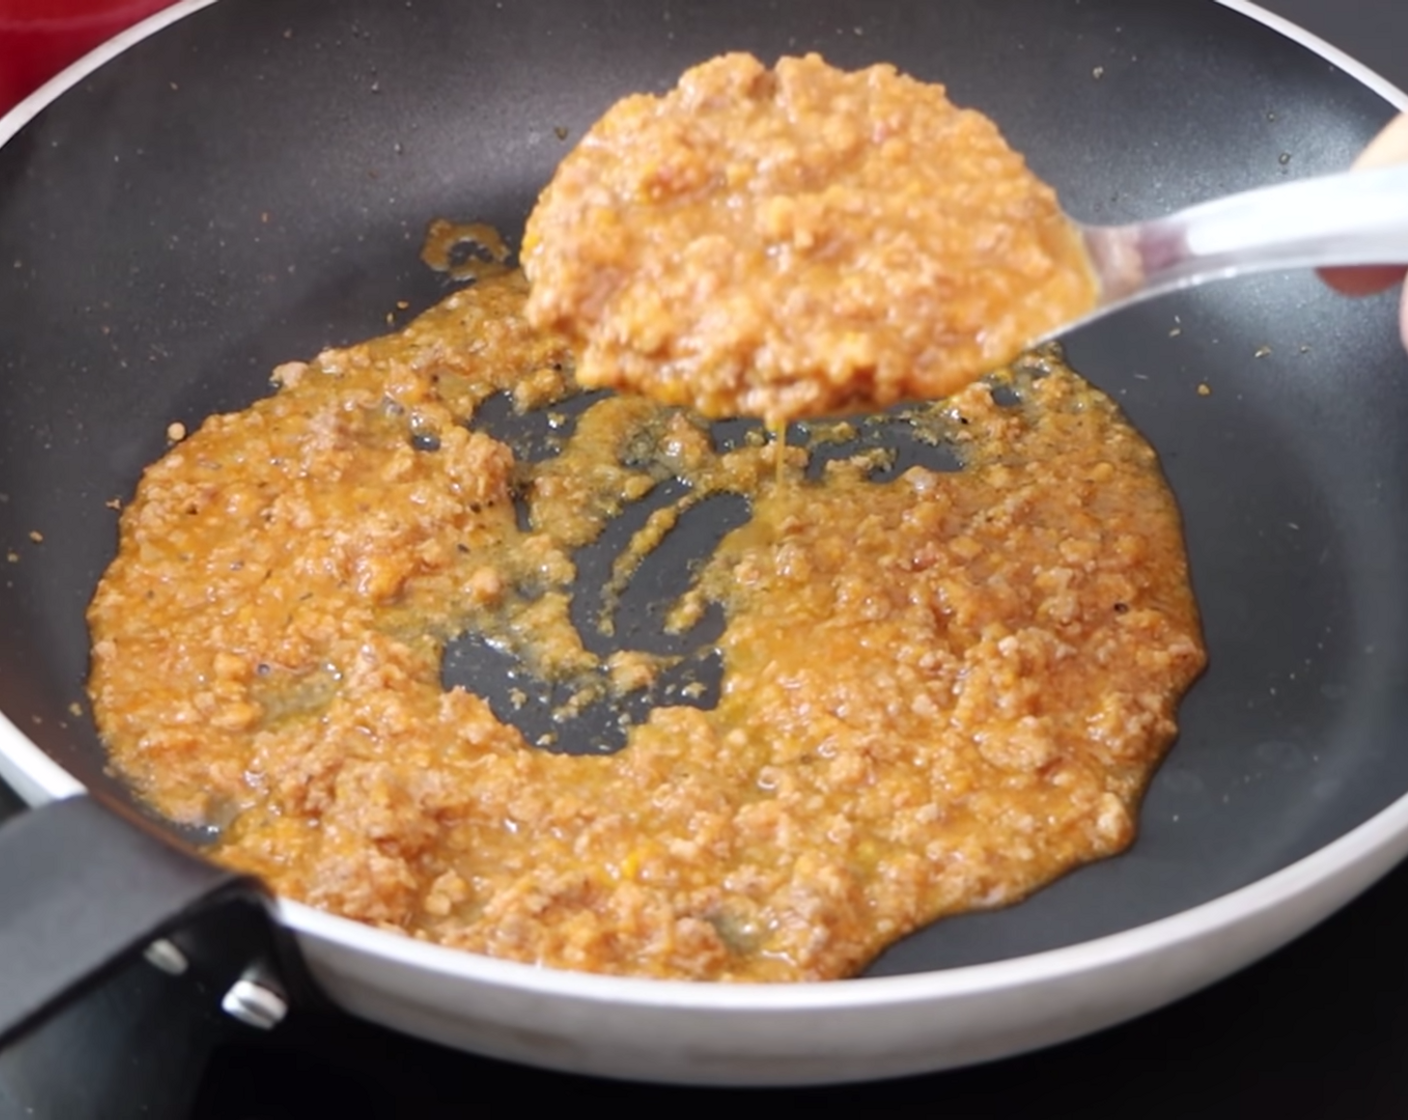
(1354, 218)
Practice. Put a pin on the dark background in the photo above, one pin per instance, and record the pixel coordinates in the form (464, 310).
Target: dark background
(1319, 1029)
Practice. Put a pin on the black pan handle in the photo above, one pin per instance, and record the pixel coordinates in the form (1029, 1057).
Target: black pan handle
(85, 886)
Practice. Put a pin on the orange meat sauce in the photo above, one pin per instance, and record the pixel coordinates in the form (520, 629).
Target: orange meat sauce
(797, 242)
(950, 644)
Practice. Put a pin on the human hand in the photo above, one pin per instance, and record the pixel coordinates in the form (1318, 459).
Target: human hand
(1388, 148)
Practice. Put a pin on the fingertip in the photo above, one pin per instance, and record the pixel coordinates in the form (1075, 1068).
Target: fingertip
(1389, 147)
(1362, 281)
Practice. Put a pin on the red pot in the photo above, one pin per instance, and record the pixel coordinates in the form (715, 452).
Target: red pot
(38, 38)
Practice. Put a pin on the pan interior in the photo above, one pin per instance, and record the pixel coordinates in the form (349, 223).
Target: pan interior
(253, 184)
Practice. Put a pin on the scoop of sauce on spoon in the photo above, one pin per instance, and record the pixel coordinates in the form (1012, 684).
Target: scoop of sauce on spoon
(797, 242)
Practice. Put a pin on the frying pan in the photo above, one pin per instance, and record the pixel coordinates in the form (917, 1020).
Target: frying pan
(251, 184)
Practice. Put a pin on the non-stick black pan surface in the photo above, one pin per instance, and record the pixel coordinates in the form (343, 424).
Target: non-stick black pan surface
(253, 183)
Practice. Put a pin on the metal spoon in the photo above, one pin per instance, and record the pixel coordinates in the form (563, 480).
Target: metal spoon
(1354, 218)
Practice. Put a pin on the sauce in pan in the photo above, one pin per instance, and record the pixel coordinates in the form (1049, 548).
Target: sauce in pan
(939, 689)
